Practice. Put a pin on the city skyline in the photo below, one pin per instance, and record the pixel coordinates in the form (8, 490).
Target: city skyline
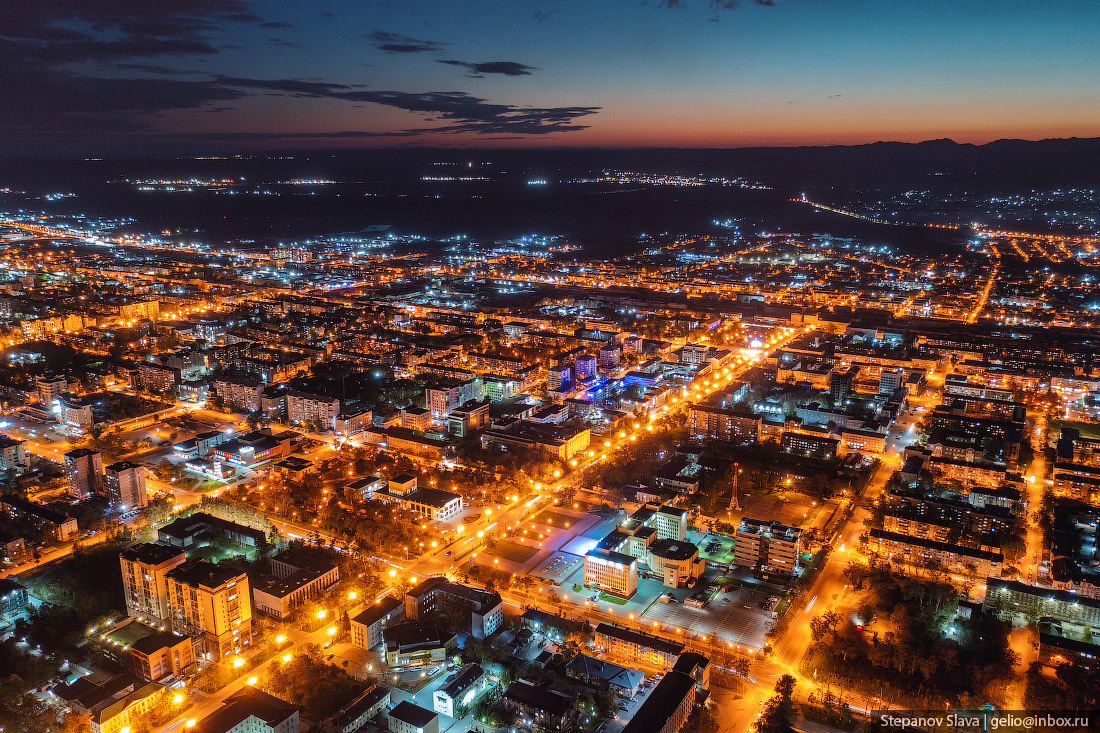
(103, 79)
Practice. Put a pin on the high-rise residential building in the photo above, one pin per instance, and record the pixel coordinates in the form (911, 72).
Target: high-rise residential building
(13, 453)
(307, 409)
(585, 366)
(770, 547)
(50, 389)
(125, 484)
(84, 472)
(730, 426)
(212, 604)
(144, 579)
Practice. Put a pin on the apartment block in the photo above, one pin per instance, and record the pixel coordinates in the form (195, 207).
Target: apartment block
(144, 578)
(211, 604)
(770, 547)
(125, 485)
(84, 472)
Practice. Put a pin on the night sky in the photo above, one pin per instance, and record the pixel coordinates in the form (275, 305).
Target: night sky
(96, 77)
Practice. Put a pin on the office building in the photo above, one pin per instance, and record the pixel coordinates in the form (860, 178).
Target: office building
(369, 625)
(610, 571)
(438, 595)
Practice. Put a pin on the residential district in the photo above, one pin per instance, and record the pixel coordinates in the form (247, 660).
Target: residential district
(360, 485)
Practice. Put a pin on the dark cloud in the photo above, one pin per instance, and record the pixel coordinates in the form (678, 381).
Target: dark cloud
(397, 43)
(460, 111)
(55, 49)
(296, 87)
(284, 43)
(261, 136)
(714, 5)
(542, 16)
(276, 24)
(505, 68)
(156, 69)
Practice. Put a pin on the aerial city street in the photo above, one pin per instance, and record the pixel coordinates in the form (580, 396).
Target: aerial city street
(663, 397)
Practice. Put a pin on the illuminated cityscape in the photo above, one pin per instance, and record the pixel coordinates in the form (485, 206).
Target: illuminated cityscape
(329, 408)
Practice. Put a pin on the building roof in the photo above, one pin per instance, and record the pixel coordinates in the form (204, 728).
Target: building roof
(353, 710)
(123, 466)
(636, 637)
(414, 635)
(609, 672)
(205, 574)
(377, 610)
(414, 715)
(661, 704)
(553, 702)
(462, 680)
(156, 641)
(673, 550)
(249, 702)
(151, 553)
(437, 498)
(611, 556)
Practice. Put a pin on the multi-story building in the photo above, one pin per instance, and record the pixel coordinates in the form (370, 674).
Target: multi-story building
(668, 706)
(808, 445)
(442, 398)
(463, 687)
(545, 707)
(241, 394)
(159, 379)
(1008, 597)
(437, 594)
(50, 388)
(417, 644)
(715, 423)
(144, 579)
(562, 442)
(369, 625)
(124, 483)
(303, 408)
(405, 717)
(295, 578)
(158, 654)
(13, 454)
(75, 411)
(416, 418)
(612, 572)
(637, 646)
(211, 604)
(768, 546)
(354, 716)
(434, 504)
(251, 711)
(84, 472)
(61, 527)
(919, 551)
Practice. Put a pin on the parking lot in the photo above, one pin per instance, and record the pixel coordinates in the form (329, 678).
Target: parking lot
(735, 617)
